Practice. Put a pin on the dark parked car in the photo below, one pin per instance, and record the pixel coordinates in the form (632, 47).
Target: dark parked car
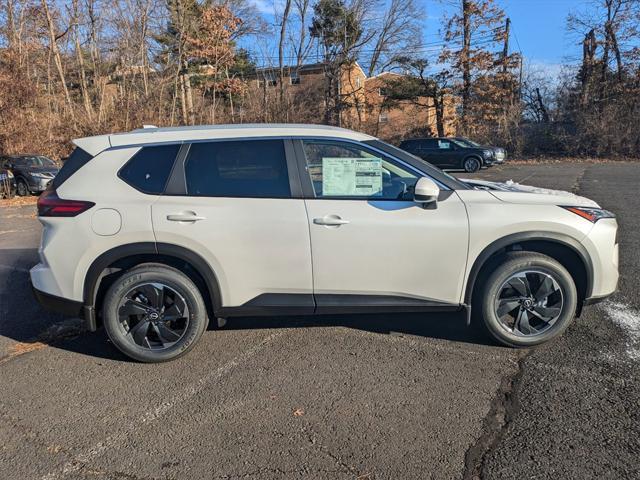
(33, 172)
(7, 183)
(500, 153)
(448, 153)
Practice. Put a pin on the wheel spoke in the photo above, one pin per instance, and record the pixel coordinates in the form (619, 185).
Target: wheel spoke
(522, 322)
(132, 307)
(547, 312)
(166, 334)
(154, 294)
(172, 313)
(546, 288)
(139, 332)
(507, 305)
(520, 285)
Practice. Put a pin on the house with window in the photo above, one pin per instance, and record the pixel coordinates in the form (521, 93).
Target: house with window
(365, 108)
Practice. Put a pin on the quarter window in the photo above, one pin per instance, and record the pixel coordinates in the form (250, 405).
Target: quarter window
(149, 169)
(344, 170)
(254, 168)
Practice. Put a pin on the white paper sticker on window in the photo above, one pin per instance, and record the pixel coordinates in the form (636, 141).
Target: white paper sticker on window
(360, 177)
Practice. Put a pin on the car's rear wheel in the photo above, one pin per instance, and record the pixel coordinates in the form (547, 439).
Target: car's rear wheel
(528, 299)
(471, 164)
(154, 313)
(22, 188)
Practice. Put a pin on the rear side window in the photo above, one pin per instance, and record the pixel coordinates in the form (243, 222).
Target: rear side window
(149, 169)
(254, 168)
(76, 160)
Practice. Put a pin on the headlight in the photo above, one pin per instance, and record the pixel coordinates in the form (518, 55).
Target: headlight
(589, 213)
(38, 175)
(487, 153)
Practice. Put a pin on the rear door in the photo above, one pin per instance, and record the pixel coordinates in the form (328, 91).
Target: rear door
(237, 204)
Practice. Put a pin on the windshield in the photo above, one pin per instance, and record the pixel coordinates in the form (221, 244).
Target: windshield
(465, 142)
(40, 161)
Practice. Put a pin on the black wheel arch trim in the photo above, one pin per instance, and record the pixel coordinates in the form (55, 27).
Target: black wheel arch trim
(497, 245)
(201, 266)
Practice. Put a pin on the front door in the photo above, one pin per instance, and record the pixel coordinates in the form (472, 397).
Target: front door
(370, 243)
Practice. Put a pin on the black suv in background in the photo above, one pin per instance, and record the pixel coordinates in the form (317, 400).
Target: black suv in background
(33, 173)
(449, 153)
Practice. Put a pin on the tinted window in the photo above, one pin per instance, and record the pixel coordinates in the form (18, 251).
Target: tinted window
(76, 160)
(254, 168)
(427, 143)
(347, 170)
(149, 169)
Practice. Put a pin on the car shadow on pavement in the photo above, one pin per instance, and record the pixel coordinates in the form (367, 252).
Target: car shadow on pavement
(445, 326)
(24, 321)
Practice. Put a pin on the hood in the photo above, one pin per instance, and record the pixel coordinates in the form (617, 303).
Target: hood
(513, 192)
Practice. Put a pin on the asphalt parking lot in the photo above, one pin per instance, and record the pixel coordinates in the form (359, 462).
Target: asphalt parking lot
(368, 397)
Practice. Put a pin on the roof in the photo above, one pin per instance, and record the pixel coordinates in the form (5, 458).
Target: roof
(94, 145)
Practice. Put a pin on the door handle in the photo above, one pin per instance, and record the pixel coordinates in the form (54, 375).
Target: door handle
(185, 217)
(330, 221)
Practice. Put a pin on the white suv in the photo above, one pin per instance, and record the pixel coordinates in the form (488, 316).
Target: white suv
(151, 233)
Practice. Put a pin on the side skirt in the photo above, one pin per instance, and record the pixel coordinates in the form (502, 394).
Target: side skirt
(275, 304)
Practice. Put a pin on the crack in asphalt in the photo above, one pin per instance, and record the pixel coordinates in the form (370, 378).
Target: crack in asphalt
(502, 411)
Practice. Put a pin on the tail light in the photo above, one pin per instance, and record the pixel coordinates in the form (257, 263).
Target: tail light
(50, 205)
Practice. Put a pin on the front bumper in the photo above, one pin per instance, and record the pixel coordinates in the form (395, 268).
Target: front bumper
(39, 184)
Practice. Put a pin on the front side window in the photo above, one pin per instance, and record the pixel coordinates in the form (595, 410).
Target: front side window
(253, 168)
(149, 169)
(444, 144)
(345, 170)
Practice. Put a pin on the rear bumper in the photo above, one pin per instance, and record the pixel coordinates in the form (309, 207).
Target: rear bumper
(69, 308)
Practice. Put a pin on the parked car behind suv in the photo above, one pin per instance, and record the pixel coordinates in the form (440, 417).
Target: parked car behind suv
(499, 153)
(33, 172)
(449, 154)
(153, 232)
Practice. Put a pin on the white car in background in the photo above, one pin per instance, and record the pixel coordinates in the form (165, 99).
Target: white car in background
(152, 233)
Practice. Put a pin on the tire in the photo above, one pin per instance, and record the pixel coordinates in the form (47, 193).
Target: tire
(22, 188)
(154, 313)
(471, 164)
(518, 290)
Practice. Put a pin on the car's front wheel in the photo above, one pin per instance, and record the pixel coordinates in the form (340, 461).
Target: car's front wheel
(528, 299)
(154, 313)
(471, 165)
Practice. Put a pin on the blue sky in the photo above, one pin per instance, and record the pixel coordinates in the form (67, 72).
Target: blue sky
(538, 25)
(538, 28)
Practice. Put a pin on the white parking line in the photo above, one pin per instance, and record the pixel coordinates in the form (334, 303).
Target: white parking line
(629, 320)
(110, 442)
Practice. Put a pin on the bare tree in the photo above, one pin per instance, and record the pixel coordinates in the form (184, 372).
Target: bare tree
(398, 32)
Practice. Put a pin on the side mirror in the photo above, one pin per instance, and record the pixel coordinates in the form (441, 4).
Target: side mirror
(426, 191)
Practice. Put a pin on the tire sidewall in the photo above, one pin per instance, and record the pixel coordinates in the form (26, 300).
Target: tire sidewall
(172, 278)
(502, 273)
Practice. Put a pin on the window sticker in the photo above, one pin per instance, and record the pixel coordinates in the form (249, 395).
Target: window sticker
(361, 177)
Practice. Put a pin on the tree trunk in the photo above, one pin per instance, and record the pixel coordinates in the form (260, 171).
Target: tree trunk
(283, 32)
(53, 45)
(466, 63)
(83, 76)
